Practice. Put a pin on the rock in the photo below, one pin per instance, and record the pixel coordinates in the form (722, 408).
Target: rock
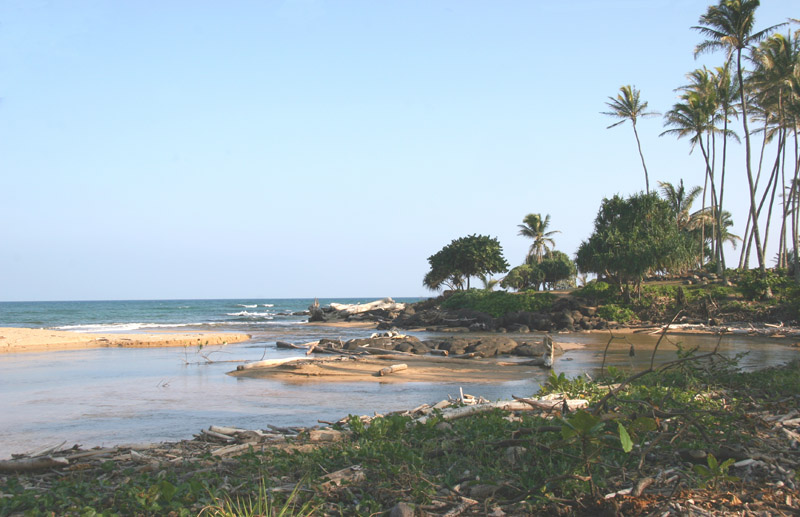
(316, 314)
(492, 346)
(402, 510)
(515, 455)
(482, 491)
(577, 316)
(533, 349)
(325, 435)
(478, 327)
(519, 328)
(589, 311)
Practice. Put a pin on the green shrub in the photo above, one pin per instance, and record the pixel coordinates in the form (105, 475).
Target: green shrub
(498, 303)
(598, 291)
(613, 312)
(754, 285)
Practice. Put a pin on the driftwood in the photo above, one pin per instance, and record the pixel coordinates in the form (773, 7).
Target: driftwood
(228, 431)
(32, 464)
(267, 363)
(385, 304)
(352, 474)
(507, 405)
(392, 369)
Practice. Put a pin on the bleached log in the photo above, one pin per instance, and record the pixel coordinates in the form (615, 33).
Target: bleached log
(392, 369)
(267, 363)
(93, 453)
(356, 308)
(231, 449)
(352, 474)
(32, 464)
(218, 436)
(506, 405)
(228, 431)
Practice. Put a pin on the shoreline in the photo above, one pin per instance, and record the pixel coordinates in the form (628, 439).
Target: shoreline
(19, 340)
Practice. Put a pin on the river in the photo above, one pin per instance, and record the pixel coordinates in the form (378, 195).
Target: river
(104, 397)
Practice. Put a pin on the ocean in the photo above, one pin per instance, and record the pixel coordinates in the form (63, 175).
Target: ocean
(241, 315)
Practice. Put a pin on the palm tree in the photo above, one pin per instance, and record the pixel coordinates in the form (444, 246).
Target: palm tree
(628, 106)
(777, 70)
(535, 228)
(729, 26)
(681, 202)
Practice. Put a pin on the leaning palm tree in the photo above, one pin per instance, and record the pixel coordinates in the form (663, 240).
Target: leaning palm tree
(728, 26)
(628, 106)
(535, 228)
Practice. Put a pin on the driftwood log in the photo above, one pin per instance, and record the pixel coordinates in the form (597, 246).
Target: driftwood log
(392, 369)
(32, 464)
(267, 363)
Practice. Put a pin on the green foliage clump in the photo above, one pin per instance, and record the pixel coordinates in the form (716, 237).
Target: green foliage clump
(754, 284)
(614, 312)
(597, 291)
(465, 257)
(632, 237)
(499, 303)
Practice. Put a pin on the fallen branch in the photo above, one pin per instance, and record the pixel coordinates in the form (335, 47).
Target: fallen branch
(32, 464)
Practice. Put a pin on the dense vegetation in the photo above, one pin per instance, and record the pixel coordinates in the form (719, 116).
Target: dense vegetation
(498, 303)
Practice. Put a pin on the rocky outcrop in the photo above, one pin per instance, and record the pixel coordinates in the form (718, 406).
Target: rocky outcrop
(485, 346)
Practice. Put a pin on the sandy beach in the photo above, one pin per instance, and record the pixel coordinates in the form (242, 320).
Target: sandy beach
(14, 340)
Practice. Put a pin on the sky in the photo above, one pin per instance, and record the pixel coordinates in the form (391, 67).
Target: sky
(301, 148)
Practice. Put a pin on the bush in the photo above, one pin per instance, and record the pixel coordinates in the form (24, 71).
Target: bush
(613, 312)
(499, 303)
(754, 285)
(598, 291)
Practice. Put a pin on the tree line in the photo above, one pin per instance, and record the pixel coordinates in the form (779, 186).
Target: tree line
(758, 83)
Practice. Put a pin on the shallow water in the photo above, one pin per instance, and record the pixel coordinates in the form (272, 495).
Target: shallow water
(104, 397)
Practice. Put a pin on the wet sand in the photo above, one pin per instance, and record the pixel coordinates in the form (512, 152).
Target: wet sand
(14, 340)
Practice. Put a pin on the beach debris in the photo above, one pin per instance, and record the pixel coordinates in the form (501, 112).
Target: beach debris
(32, 464)
(347, 475)
(392, 369)
(267, 363)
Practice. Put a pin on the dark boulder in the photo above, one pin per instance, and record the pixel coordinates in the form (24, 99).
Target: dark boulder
(492, 346)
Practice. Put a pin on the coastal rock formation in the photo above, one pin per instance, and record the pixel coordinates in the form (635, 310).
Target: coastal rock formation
(484, 346)
(384, 310)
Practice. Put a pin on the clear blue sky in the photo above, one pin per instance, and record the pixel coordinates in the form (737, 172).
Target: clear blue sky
(306, 148)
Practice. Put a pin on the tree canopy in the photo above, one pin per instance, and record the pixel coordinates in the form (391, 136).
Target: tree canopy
(465, 257)
(632, 237)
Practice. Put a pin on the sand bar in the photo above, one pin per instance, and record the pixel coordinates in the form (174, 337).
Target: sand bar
(419, 369)
(13, 340)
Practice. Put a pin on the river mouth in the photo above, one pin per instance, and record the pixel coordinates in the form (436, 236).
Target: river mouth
(105, 397)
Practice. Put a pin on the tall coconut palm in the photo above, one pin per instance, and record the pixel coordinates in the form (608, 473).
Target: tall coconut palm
(535, 228)
(627, 105)
(694, 117)
(777, 69)
(729, 26)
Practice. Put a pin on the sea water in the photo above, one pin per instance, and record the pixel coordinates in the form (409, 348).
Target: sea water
(110, 396)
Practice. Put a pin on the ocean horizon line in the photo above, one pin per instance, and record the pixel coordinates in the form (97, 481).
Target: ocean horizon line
(212, 299)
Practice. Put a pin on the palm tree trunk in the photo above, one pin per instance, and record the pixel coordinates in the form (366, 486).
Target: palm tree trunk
(639, 145)
(751, 185)
(723, 266)
(795, 207)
